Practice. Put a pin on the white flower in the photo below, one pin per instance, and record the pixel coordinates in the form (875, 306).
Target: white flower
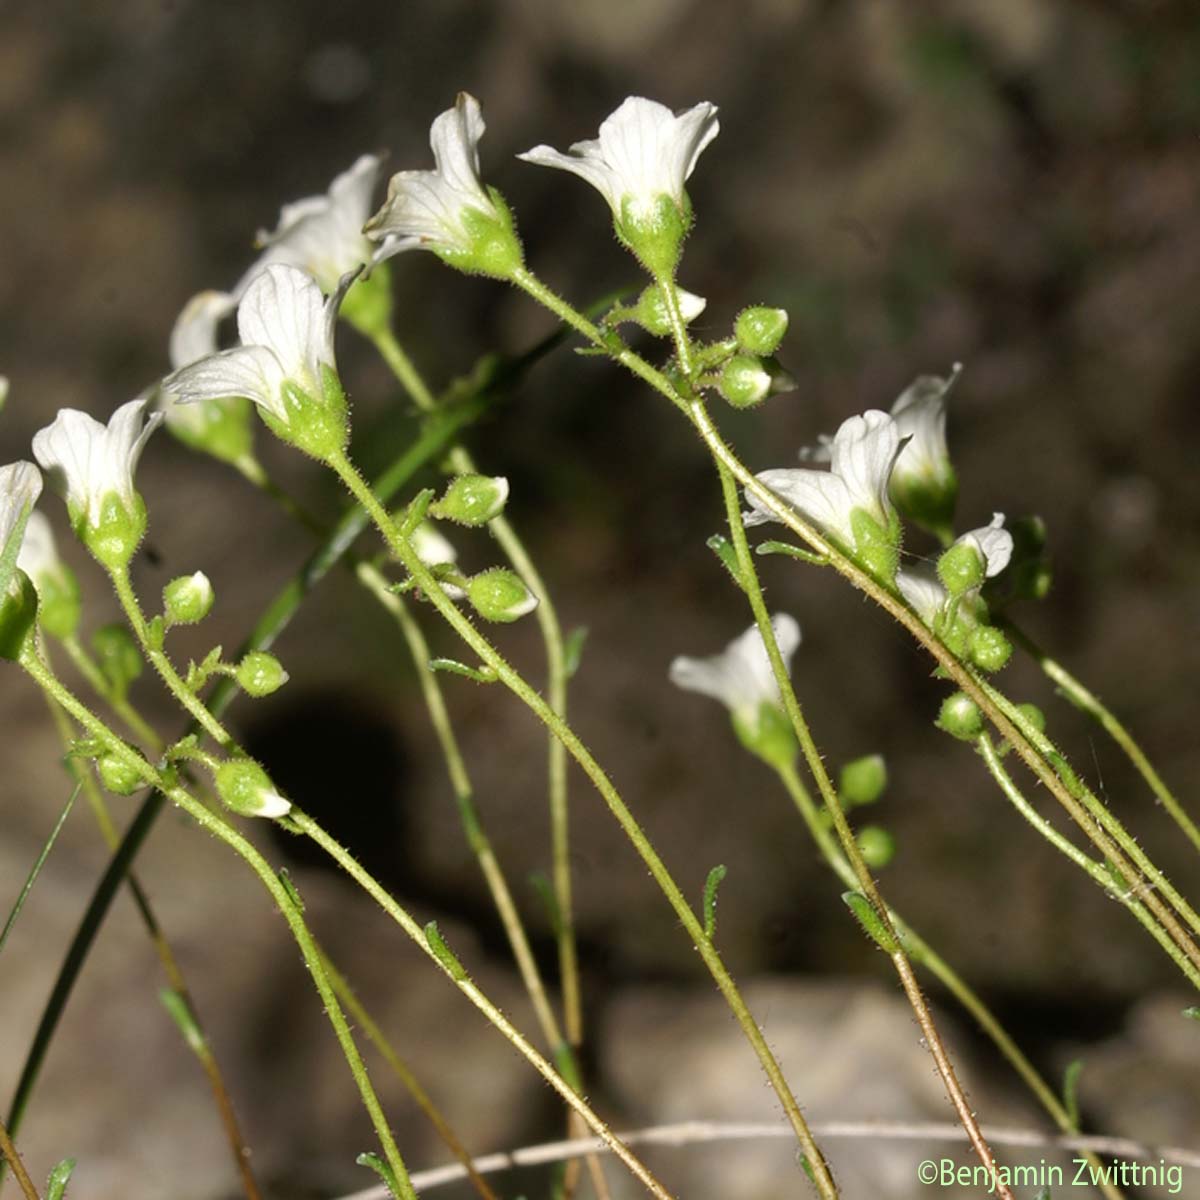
(432, 209)
(323, 235)
(925, 592)
(89, 463)
(741, 677)
(920, 415)
(38, 556)
(993, 542)
(644, 152)
(861, 454)
(20, 486)
(286, 329)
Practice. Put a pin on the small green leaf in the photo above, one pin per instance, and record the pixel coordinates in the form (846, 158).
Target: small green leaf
(1071, 1090)
(381, 1169)
(156, 632)
(484, 674)
(289, 886)
(868, 918)
(414, 514)
(773, 547)
(443, 953)
(181, 1013)
(56, 1185)
(711, 884)
(573, 650)
(722, 547)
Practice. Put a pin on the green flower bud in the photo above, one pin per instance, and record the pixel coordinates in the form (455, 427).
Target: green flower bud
(260, 674)
(769, 736)
(960, 717)
(113, 538)
(988, 648)
(1033, 715)
(499, 594)
(317, 424)
(876, 845)
(961, 568)
(654, 232)
(489, 242)
(650, 311)
(472, 499)
(876, 547)
(118, 776)
(18, 611)
(117, 656)
(744, 382)
(247, 789)
(188, 599)
(863, 780)
(759, 330)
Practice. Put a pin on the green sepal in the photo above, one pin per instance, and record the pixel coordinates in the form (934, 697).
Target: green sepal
(18, 613)
(864, 912)
(961, 568)
(876, 548)
(650, 312)
(443, 953)
(656, 237)
(114, 537)
(769, 737)
(495, 246)
(316, 424)
(744, 382)
(711, 884)
(367, 306)
(59, 602)
(198, 674)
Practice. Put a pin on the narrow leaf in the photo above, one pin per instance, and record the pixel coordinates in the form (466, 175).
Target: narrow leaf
(722, 547)
(817, 560)
(56, 1185)
(868, 918)
(711, 884)
(443, 953)
(573, 650)
(454, 667)
(179, 1012)
(381, 1169)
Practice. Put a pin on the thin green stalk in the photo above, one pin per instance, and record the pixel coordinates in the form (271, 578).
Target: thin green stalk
(411, 1083)
(923, 953)
(162, 664)
(8, 1153)
(864, 881)
(1096, 870)
(965, 678)
(86, 666)
(457, 974)
(538, 705)
(219, 827)
(166, 956)
(1088, 702)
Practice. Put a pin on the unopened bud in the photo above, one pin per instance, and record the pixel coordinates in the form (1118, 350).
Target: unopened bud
(988, 648)
(744, 382)
(863, 780)
(759, 330)
(188, 599)
(961, 568)
(260, 674)
(472, 499)
(876, 845)
(118, 776)
(247, 789)
(960, 717)
(500, 595)
(651, 311)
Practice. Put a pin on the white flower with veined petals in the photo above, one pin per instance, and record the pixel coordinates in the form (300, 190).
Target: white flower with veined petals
(20, 486)
(88, 462)
(426, 209)
(323, 235)
(924, 591)
(920, 414)
(861, 456)
(644, 152)
(740, 677)
(286, 328)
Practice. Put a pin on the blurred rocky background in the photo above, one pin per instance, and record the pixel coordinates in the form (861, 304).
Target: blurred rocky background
(1012, 186)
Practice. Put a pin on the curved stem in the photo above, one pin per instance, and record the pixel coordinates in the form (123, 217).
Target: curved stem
(962, 676)
(515, 683)
(862, 875)
(8, 1153)
(216, 825)
(463, 982)
(1090, 866)
(87, 667)
(1095, 708)
(923, 953)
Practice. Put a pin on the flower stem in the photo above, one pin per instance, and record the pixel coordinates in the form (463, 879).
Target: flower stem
(923, 953)
(862, 875)
(218, 826)
(8, 1152)
(463, 982)
(87, 667)
(515, 683)
(1095, 708)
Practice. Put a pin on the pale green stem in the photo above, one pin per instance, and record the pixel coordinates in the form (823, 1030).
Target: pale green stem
(412, 1084)
(377, 584)
(461, 463)
(465, 985)
(679, 333)
(962, 676)
(1095, 708)
(87, 667)
(1096, 870)
(863, 879)
(535, 702)
(219, 827)
(162, 664)
(924, 954)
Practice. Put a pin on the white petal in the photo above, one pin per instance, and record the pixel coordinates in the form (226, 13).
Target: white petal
(250, 371)
(863, 452)
(820, 496)
(127, 437)
(20, 486)
(195, 333)
(924, 593)
(454, 139)
(994, 543)
(707, 676)
(38, 554)
(431, 546)
(690, 305)
(920, 415)
(68, 450)
(284, 310)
